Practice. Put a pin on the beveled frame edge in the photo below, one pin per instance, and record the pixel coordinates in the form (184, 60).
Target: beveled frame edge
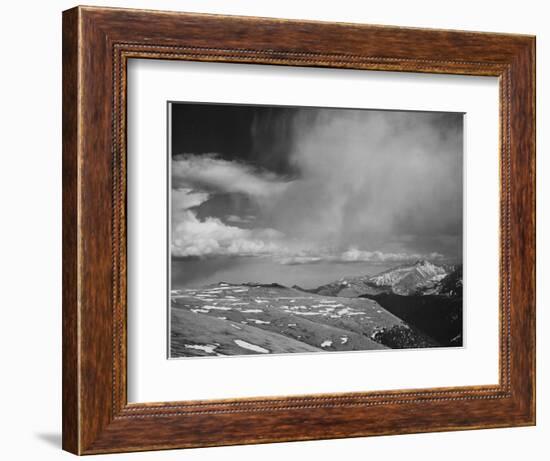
(97, 42)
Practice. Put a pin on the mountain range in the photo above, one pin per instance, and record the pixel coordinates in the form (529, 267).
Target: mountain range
(419, 278)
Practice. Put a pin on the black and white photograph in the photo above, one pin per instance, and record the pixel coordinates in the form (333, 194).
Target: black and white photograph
(313, 229)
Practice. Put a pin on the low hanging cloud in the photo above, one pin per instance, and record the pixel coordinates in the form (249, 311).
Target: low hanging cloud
(354, 255)
(240, 219)
(208, 237)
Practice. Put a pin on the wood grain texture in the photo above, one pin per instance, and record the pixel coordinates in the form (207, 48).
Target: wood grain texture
(97, 42)
(70, 383)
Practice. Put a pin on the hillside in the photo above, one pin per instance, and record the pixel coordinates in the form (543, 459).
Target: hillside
(438, 316)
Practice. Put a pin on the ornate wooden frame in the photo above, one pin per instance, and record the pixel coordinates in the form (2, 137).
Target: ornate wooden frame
(97, 43)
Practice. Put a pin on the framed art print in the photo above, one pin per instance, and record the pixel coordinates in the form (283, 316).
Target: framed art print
(282, 230)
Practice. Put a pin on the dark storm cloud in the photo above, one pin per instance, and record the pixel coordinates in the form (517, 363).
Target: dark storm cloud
(377, 181)
(308, 185)
(259, 135)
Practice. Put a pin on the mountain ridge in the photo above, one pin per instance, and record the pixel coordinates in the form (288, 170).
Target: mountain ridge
(421, 277)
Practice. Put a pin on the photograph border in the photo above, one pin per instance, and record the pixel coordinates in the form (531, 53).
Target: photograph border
(97, 43)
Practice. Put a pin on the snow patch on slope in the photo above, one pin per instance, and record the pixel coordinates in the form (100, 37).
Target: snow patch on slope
(250, 347)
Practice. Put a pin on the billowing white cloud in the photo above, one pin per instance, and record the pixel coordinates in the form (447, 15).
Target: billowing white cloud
(185, 198)
(192, 236)
(207, 172)
(195, 180)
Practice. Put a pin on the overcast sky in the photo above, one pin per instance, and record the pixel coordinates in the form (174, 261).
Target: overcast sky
(307, 195)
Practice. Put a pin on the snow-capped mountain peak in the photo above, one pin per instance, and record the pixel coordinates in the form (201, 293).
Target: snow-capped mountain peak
(409, 278)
